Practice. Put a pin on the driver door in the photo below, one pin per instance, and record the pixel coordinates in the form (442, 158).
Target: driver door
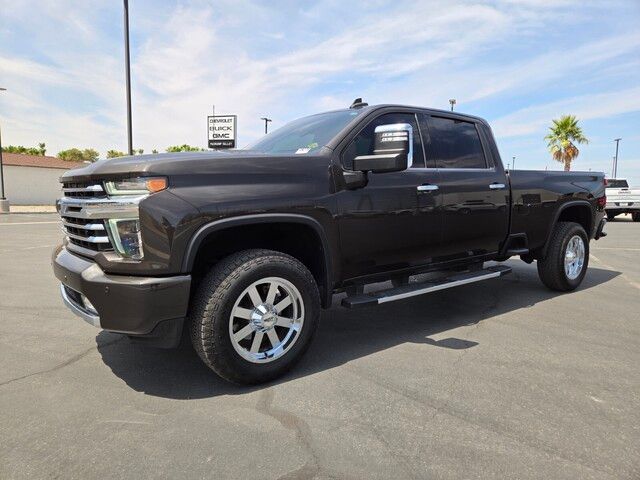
(391, 223)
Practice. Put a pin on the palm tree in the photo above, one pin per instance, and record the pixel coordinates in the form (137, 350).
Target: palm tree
(562, 139)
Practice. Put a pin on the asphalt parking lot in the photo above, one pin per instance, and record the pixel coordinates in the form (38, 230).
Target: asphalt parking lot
(502, 379)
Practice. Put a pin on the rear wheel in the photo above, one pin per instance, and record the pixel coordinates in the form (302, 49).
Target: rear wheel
(254, 315)
(565, 265)
(610, 216)
(635, 216)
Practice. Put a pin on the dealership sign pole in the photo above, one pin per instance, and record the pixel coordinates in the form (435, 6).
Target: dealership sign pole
(222, 131)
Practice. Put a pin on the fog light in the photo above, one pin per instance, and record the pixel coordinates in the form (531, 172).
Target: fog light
(126, 237)
(88, 305)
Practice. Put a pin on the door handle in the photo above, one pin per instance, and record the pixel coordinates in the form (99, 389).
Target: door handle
(497, 186)
(427, 188)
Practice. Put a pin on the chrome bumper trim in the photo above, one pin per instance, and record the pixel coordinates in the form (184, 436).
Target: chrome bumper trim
(78, 310)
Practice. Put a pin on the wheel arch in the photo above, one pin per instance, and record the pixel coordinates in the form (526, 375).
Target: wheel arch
(249, 231)
(578, 211)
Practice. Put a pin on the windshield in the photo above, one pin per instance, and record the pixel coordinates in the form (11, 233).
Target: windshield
(612, 183)
(305, 135)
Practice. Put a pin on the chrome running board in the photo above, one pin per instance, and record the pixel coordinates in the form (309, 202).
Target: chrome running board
(415, 289)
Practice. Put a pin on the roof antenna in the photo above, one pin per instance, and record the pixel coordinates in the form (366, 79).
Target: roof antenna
(358, 103)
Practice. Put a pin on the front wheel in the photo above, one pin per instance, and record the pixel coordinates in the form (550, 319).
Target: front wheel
(254, 315)
(611, 216)
(635, 216)
(565, 265)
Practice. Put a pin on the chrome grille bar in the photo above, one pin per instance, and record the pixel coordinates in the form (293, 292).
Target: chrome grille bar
(99, 208)
(89, 188)
(86, 226)
(90, 239)
(92, 190)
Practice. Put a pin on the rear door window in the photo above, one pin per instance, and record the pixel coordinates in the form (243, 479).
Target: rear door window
(455, 144)
(617, 184)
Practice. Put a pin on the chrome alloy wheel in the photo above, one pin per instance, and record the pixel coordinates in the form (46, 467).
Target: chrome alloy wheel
(266, 320)
(574, 257)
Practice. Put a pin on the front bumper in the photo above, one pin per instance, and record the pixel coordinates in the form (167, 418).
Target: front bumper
(138, 306)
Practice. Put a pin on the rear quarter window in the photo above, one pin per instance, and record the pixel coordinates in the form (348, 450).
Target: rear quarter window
(455, 144)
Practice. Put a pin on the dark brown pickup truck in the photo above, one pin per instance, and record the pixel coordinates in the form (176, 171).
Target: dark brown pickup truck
(242, 248)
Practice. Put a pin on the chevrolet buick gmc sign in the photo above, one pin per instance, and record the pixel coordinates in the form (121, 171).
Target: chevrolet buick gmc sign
(222, 131)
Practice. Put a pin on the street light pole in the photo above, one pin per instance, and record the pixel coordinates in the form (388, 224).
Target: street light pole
(615, 163)
(266, 124)
(4, 204)
(128, 74)
(452, 101)
(514, 162)
(1, 171)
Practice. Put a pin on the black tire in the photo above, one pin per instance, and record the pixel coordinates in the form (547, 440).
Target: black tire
(216, 295)
(551, 269)
(610, 217)
(635, 216)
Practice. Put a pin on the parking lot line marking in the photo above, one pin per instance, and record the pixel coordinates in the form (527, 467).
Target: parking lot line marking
(617, 248)
(27, 248)
(25, 223)
(129, 422)
(622, 275)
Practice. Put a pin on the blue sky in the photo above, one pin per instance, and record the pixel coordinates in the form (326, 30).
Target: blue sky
(518, 63)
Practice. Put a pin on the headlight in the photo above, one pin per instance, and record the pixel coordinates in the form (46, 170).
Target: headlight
(126, 238)
(136, 186)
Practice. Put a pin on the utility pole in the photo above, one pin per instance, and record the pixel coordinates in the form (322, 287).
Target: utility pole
(452, 101)
(613, 166)
(615, 163)
(128, 75)
(266, 124)
(4, 203)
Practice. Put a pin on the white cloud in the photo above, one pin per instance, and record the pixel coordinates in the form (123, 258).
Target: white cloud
(196, 53)
(535, 119)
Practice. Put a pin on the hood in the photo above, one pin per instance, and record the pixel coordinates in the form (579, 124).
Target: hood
(167, 164)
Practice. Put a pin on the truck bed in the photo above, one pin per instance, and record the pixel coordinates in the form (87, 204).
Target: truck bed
(537, 196)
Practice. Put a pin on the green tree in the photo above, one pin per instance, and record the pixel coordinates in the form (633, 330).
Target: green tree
(140, 151)
(564, 134)
(77, 155)
(184, 148)
(115, 153)
(39, 150)
(154, 151)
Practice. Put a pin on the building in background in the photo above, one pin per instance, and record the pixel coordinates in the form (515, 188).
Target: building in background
(33, 179)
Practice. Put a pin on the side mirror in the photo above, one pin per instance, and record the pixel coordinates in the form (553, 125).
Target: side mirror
(392, 150)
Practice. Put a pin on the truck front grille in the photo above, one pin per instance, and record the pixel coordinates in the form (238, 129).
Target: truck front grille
(86, 233)
(83, 190)
(82, 226)
(85, 211)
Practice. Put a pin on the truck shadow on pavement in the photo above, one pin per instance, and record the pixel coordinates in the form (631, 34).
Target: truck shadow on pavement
(343, 335)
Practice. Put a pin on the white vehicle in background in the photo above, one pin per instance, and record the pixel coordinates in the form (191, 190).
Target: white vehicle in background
(622, 199)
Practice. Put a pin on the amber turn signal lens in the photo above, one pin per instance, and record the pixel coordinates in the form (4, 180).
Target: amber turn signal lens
(156, 184)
